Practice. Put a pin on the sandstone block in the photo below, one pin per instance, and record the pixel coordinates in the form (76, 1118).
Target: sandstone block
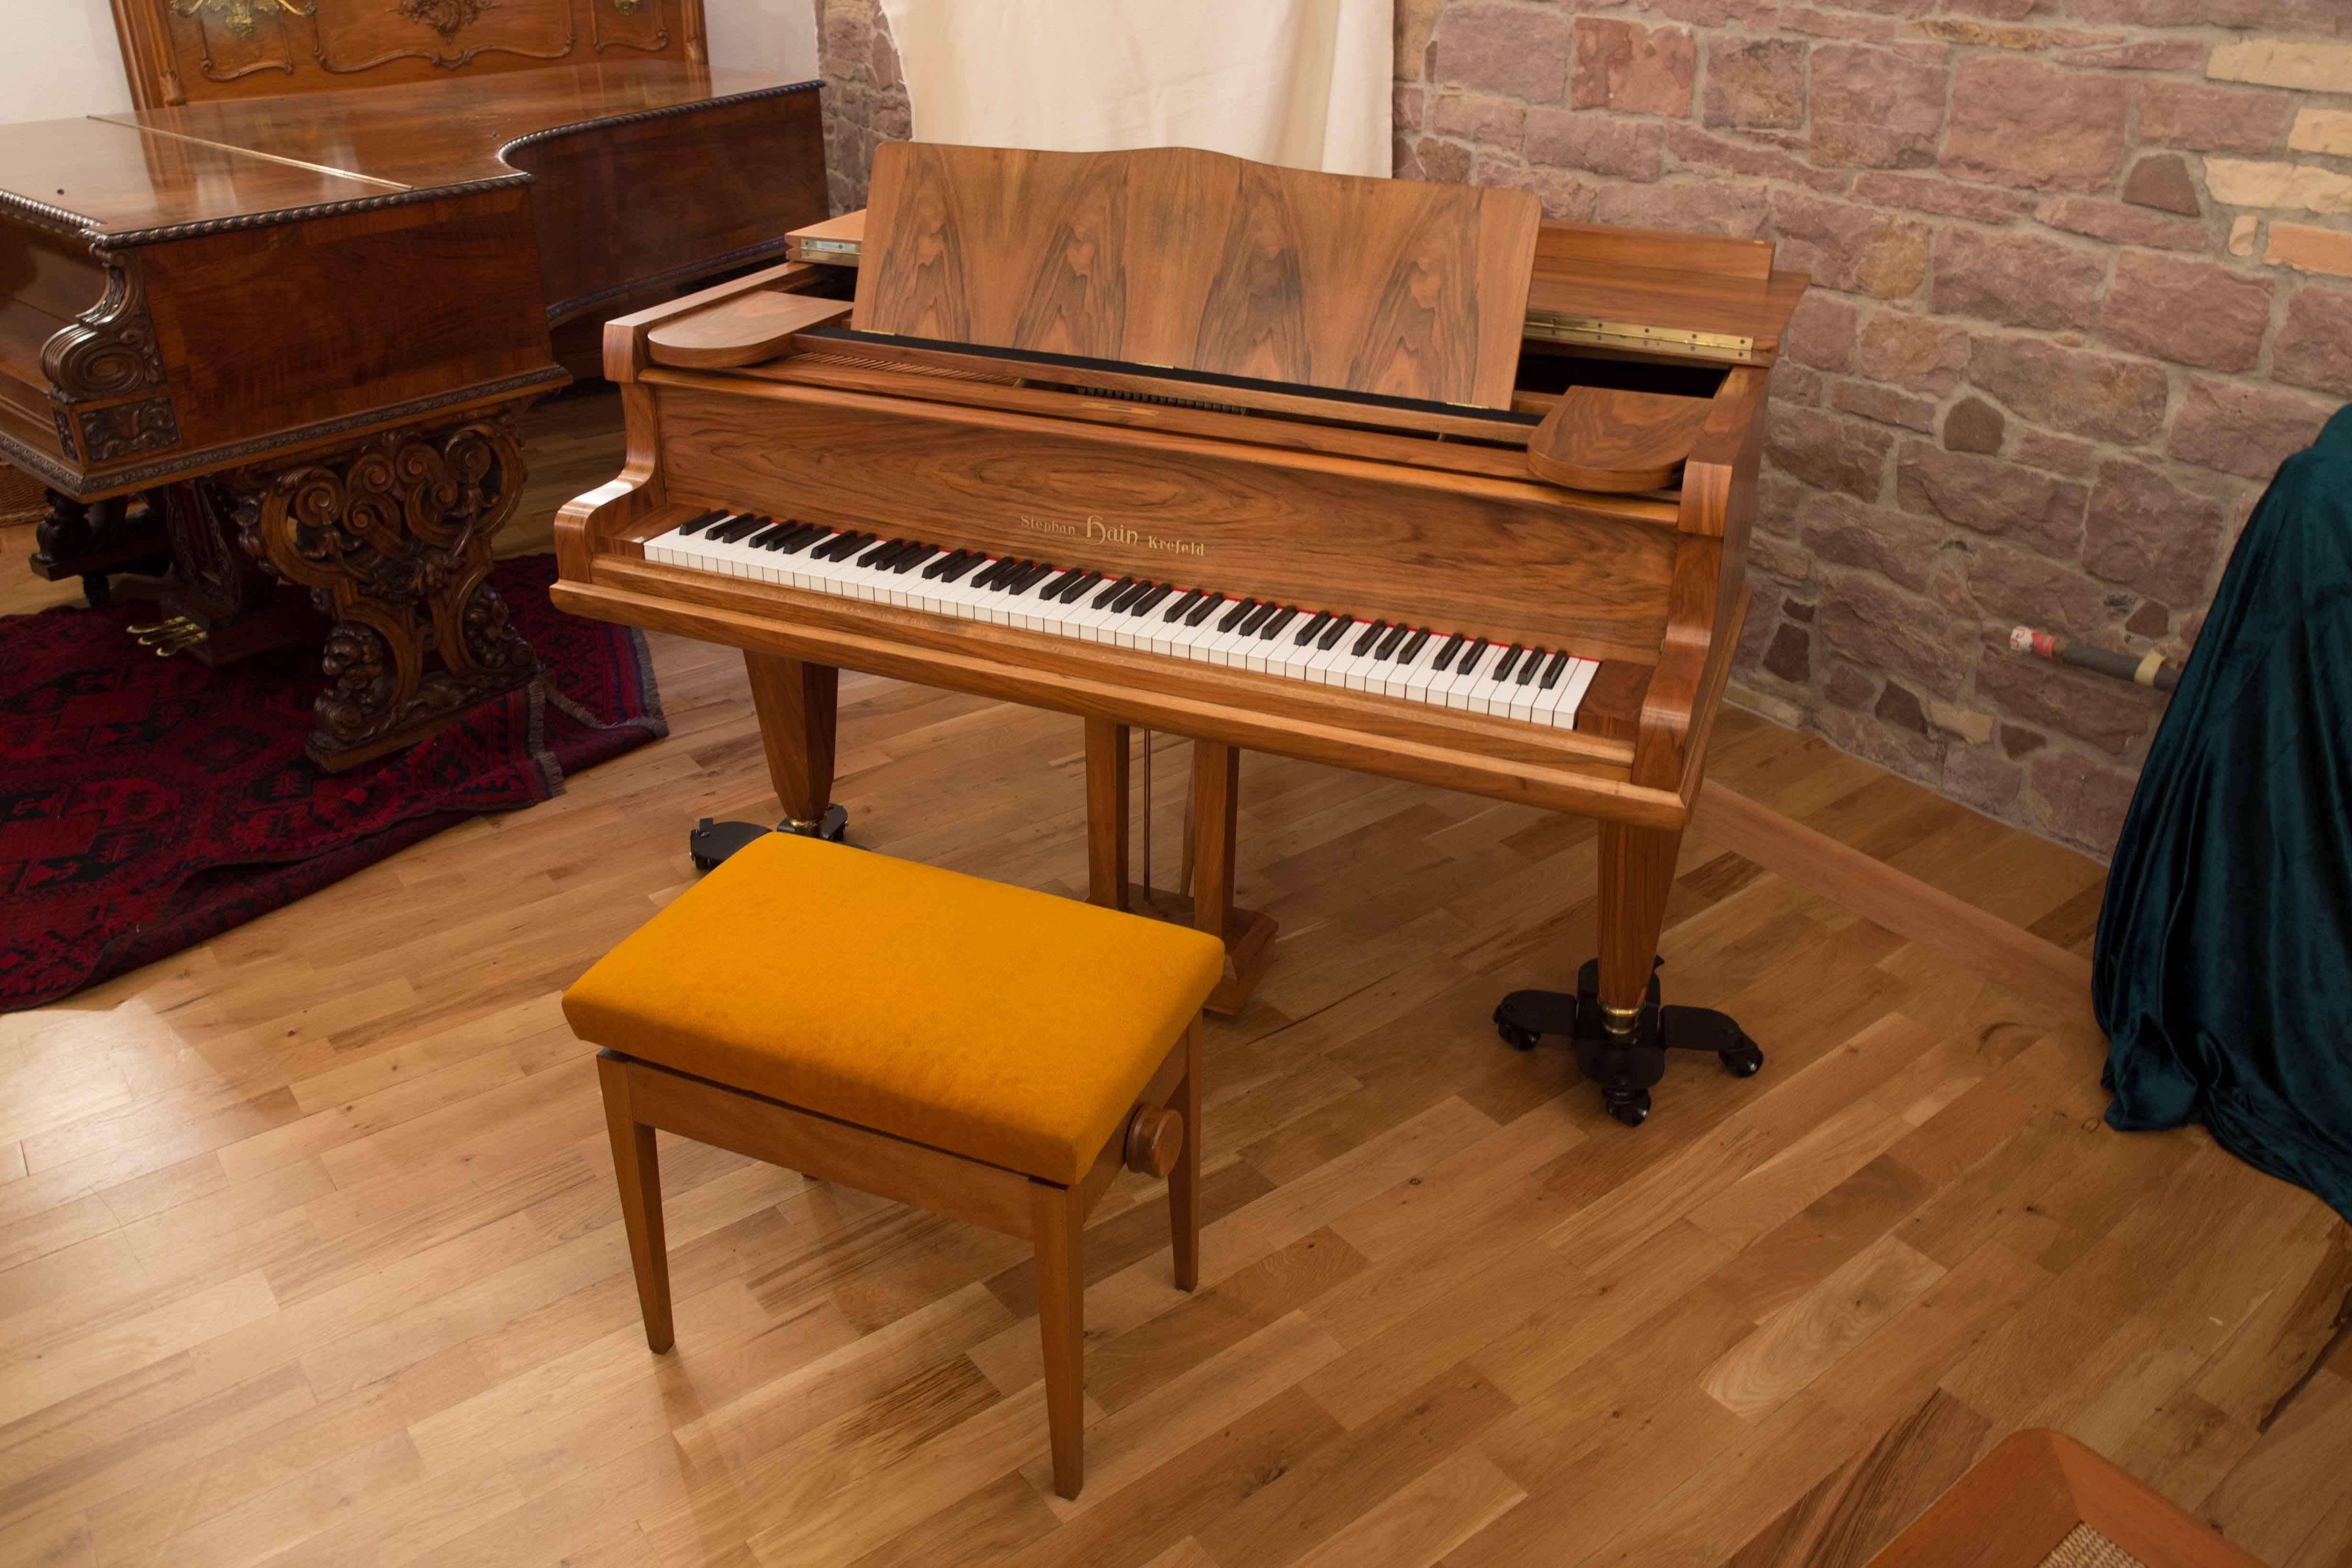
(2242, 234)
(1408, 108)
(1914, 351)
(2059, 454)
(2082, 802)
(1626, 66)
(1851, 248)
(1865, 736)
(1828, 451)
(1973, 426)
(2153, 535)
(1689, 144)
(1627, 149)
(2315, 341)
(1738, 209)
(2161, 181)
(2019, 122)
(2017, 741)
(2238, 428)
(2310, 249)
(2143, 12)
(1874, 108)
(2107, 713)
(1899, 706)
(2144, 54)
(1451, 161)
(2017, 280)
(1500, 123)
(1790, 655)
(1885, 405)
(1990, 496)
(2301, 64)
(2150, 620)
(2015, 585)
(1415, 22)
(1755, 83)
(1978, 778)
(1966, 723)
(2213, 119)
(1836, 25)
(2305, 187)
(1563, 195)
(2122, 225)
(1945, 199)
(2192, 313)
(1898, 546)
(2324, 18)
(2085, 394)
(1821, 331)
(2328, 130)
(1504, 48)
(1849, 688)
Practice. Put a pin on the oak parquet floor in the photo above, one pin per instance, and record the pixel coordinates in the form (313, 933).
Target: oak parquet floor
(309, 1251)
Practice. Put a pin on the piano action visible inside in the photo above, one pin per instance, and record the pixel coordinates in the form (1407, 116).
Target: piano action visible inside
(1384, 474)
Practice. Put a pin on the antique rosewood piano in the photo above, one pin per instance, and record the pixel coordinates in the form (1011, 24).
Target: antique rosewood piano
(287, 337)
(1388, 474)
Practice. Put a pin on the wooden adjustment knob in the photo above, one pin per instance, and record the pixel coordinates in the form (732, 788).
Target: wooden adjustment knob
(1154, 1139)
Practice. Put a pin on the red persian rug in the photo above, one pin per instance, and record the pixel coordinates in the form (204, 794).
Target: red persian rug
(150, 804)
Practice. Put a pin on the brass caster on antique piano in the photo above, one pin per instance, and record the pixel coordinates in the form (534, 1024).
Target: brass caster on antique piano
(1625, 1064)
(712, 841)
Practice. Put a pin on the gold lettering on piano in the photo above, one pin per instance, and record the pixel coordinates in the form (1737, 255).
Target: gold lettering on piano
(1095, 527)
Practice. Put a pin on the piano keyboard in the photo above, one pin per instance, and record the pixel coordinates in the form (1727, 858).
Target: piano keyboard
(1328, 647)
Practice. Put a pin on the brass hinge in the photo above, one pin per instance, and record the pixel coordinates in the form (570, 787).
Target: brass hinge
(1633, 334)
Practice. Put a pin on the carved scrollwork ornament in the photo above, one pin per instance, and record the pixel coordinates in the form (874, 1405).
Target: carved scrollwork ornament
(447, 17)
(392, 539)
(241, 16)
(110, 350)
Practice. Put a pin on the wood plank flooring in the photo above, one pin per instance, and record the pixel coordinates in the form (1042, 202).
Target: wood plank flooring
(310, 1251)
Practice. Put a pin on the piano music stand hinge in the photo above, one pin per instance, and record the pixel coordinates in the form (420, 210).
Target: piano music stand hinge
(1636, 334)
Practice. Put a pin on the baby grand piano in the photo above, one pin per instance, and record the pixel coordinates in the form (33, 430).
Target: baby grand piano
(1388, 474)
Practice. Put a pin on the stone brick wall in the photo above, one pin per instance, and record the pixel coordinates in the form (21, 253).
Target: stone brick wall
(2083, 276)
(865, 97)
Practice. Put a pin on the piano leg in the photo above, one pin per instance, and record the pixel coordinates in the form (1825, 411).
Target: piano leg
(1106, 813)
(1621, 1032)
(797, 702)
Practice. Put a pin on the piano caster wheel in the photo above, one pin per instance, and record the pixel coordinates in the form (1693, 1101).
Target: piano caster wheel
(711, 842)
(1630, 1106)
(829, 827)
(1743, 1061)
(1518, 1039)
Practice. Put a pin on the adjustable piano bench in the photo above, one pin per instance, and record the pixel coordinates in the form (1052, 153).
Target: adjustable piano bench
(981, 1051)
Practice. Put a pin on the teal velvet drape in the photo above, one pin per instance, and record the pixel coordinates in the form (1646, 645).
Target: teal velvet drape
(2223, 972)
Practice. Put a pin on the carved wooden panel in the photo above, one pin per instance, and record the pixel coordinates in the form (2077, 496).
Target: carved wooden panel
(194, 52)
(1196, 261)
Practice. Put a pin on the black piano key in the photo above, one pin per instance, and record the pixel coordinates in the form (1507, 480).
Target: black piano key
(1273, 628)
(1102, 600)
(693, 525)
(1151, 602)
(1445, 655)
(1511, 659)
(1078, 590)
(1128, 597)
(759, 539)
(1061, 581)
(1176, 610)
(1029, 575)
(996, 571)
(1552, 670)
(1204, 609)
(952, 558)
(1255, 619)
(1411, 650)
(957, 572)
(1333, 633)
(1373, 635)
(883, 553)
(1307, 632)
(842, 546)
(1528, 671)
(740, 528)
(1234, 616)
(913, 558)
(1388, 644)
(1473, 654)
(783, 533)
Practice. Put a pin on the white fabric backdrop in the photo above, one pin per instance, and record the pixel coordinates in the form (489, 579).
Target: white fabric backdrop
(1304, 83)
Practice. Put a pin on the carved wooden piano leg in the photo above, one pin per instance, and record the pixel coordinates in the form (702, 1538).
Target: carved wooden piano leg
(1106, 813)
(797, 702)
(392, 535)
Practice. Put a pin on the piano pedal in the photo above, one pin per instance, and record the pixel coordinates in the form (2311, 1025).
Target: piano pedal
(1625, 1069)
(712, 841)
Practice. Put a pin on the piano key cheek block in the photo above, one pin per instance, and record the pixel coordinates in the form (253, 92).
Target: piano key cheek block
(1388, 474)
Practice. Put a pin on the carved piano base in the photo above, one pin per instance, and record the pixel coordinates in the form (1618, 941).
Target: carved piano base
(1623, 1065)
(94, 539)
(391, 538)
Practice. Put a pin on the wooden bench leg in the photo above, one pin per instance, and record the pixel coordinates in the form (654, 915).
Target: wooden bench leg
(638, 1171)
(1061, 1318)
(1184, 1181)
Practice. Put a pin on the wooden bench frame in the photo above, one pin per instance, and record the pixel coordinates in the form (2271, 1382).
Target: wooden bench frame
(1161, 1136)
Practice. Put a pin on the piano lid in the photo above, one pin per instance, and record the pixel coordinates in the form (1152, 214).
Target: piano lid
(1196, 261)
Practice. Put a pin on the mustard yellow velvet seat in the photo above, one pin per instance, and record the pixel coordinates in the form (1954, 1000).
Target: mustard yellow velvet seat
(981, 1051)
(1006, 1025)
